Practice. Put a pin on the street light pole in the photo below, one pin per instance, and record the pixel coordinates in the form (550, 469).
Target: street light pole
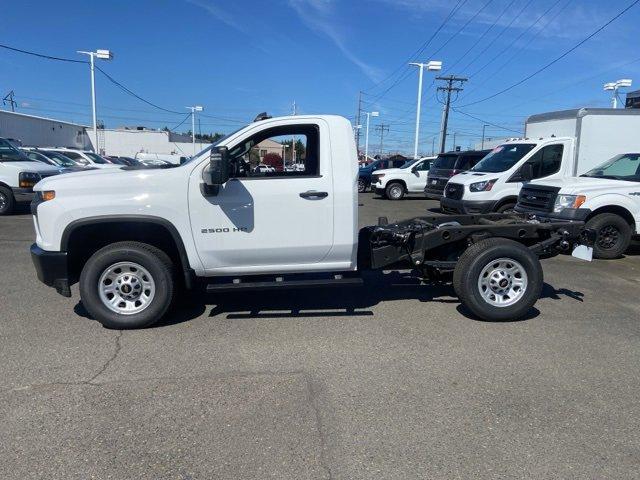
(194, 109)
(104, 55)
(614, 86)
(432, 65)
(366, 141)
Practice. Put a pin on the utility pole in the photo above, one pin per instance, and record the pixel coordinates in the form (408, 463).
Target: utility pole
(433, 145)
(9, 98)
(454, 141)
(452, 84)
(483, 127)
(293, 139)
(382, 128)
(358, 122)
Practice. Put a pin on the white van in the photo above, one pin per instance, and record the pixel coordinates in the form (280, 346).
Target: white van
(558, 145)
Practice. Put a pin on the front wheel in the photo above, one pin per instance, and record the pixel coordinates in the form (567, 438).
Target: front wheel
(394, 191)
(498, 279)
(127, 285)
(362, 186)
(613, 235)
(7, 201)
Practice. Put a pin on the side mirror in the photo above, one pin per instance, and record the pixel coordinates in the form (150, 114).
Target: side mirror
(217, 173)
(414, 169)
(526, 172)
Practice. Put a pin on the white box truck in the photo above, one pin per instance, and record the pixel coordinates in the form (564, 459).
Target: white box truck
(557, 145)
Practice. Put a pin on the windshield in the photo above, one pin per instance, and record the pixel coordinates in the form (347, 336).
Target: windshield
(61, 159)
(621, 167)
(408, 163)
(206, 150)
(503, 157)
(445, 162)
(8, 153)
(96, 158)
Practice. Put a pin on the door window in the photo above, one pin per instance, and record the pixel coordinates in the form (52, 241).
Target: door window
(423, 166)
(547, 161)
(287, 151)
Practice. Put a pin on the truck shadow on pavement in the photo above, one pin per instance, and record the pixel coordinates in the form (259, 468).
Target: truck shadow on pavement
(326, 302)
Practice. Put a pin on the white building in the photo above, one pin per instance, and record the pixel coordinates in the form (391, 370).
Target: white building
(127, 142)
(34, 131)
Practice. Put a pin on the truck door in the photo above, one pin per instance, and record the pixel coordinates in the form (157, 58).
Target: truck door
(266, 219)
(418, 178)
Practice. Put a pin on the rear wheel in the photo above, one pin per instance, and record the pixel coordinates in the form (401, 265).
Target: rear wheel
(498, 279)
(613, 235)
(395, 191)
(127, 285)
(7, 202)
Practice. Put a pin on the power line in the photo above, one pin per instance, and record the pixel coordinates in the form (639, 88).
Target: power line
(501, 127)
(48, 57)
(557, 59)
(453, 11)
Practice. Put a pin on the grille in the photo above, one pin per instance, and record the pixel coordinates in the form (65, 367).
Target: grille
(538, 198)
(454, 191)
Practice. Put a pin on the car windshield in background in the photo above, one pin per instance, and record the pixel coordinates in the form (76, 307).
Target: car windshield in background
(75, 156)
(61, 159)
(8, 153)
(621, 167)
(408, 163)
(504, 157)
(447, 162)
(96, 158)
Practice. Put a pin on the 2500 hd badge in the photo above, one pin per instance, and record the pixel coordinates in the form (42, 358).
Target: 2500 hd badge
(224, 230)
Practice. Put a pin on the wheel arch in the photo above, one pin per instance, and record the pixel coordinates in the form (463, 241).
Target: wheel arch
(506, 200)
(104, 230)
(617, 210)
(396, 180)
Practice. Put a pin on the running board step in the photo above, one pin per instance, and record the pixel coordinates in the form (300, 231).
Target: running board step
(282, 282)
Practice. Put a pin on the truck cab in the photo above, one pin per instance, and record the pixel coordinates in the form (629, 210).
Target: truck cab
(494, 183)
(395, 183)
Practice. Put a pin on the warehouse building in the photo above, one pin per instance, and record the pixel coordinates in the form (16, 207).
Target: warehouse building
(35, 131)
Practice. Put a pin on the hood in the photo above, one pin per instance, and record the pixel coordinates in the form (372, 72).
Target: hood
(27, 166)
(469, 177)
(578, 185)
(387, 171)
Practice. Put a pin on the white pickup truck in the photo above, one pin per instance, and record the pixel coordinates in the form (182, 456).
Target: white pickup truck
(395, 183)
(18, 175)
(131, 236)
(607, 198)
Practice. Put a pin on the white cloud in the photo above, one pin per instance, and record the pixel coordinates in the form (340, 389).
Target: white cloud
(219, 14)
(317, 15)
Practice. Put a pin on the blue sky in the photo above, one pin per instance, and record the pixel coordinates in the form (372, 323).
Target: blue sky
(243, 57)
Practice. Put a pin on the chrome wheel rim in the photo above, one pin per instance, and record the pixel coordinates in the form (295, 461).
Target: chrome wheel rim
(360, 186)
(126, 288)
(395, 191)
(3, 201)
(502, 282)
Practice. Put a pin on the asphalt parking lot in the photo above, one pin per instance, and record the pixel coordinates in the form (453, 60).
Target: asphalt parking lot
(389, 380)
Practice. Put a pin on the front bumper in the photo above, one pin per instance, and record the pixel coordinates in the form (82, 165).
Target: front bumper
(572, 214)
(432, 195)
(23, 194)
(466, 207)
(52, 269)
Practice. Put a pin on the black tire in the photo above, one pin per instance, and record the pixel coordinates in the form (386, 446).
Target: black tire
(394, 191)
(506, 208)
(613, 235)
(475, 259)
(362, 186)
(7, 202)
(157, 264)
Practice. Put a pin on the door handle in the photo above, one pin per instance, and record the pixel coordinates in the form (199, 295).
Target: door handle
(313, 195)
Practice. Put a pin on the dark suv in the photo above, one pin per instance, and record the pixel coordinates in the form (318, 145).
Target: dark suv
(364, 174)
(446, 165)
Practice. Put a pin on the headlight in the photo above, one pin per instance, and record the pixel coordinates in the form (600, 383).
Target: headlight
(378, 175)
(568, 201)
(28, 179)
(482, 186)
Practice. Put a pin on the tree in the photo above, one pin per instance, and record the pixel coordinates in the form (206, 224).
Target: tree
(273, 160)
